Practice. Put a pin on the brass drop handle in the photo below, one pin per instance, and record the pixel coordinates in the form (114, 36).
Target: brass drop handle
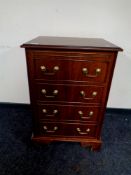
(44, 111)
(55, 128)
(85, 72)
(43, 68)
(88, 117)
(94, 94)
(55, 111)
(45, 71)
(55, 93)
(83, 133)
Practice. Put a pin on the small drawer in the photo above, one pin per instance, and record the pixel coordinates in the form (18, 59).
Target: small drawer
(67, 129)
(54, 69)
(68, 113)
(70, 93)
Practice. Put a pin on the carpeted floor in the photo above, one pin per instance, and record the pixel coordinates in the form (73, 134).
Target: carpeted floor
(18, 156)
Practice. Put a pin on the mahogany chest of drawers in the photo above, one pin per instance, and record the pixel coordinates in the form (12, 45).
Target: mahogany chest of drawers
(69, 82)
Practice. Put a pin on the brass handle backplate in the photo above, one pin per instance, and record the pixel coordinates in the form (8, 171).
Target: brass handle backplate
(90, 114)
(94, 94)
(55, 93)
(46, 72)
(55, 111)
(86, 72)
(55, 128)
(83, 133)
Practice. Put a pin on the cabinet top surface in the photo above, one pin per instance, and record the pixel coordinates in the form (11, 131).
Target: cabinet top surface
(71, 43)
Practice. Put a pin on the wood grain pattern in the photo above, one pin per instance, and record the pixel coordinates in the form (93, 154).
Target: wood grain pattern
(67, 129)
(62, 94)
(70, 43)
(69, 93)
(70, 70)
(54, 112)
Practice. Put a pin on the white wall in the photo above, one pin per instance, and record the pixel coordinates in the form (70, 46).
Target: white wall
(22, 20)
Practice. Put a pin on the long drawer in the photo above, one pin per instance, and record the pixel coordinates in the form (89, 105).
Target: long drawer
(70, 93)
(67, 129)
(50, 68)
(68, 112)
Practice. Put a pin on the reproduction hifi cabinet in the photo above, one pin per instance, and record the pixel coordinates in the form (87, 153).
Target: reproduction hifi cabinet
(69, 83)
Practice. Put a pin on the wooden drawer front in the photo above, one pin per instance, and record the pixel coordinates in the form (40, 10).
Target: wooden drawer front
(67, 129)
(68, 112)
(63, 70)
(74, 93)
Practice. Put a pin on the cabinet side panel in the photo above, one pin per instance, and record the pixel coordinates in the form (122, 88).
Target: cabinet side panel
(106, 92)
(32, 89)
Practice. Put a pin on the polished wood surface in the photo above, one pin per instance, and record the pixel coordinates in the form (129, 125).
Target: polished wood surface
(69, 93)
(69, 82)
(68, 43)
(70, 68)
(77, 113)
(67, 129)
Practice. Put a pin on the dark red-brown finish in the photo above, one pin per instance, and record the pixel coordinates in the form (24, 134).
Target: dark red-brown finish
(69, 93)
(74, 67)
(69, 43)
(69, 113)
(69, 82)
(68, 129)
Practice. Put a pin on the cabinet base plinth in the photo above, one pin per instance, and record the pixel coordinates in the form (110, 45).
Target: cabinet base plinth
(94, 144)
